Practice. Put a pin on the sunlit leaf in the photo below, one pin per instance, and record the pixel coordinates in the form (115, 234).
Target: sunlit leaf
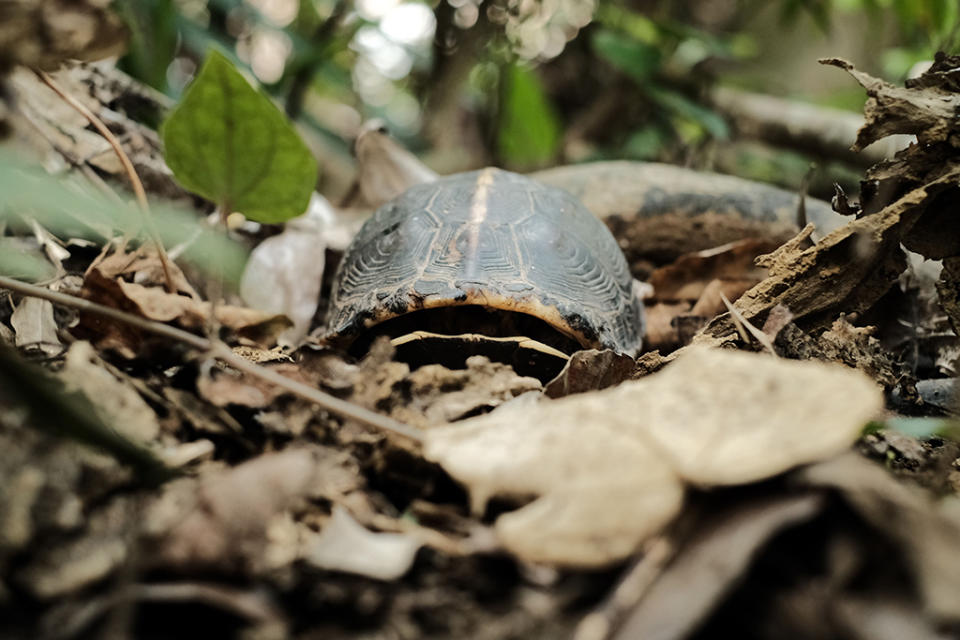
(633, 57)
(680, 105)
(636, 25)
(529, 132)
(71, 210)
(227, 142)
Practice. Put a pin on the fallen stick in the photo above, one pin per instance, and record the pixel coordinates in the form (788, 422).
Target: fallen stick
(222, 352)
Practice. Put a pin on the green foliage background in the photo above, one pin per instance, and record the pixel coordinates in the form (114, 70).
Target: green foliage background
(521, 107)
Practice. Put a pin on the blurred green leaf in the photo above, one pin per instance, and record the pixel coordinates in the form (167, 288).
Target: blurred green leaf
(680, 105)
(637, 26)
(529, 132)
(636, 59)
(818, 10)
(227, 142)
(17, 262)
(153, 39)
(922, 428)
(70, 209)
(646, 143)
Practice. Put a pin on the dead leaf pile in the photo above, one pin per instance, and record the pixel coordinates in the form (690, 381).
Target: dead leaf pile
(907, 201)
(689, 292)
(133, 282)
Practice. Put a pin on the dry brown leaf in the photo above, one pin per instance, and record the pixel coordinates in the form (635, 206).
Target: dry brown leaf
(606, 467)
(226, 387)
(600, 490)
(590, 370)
(157, 304)
(433, 394)
(144, 267)
(688, 276)
(725, 418)
(663, 330)
(35, 327)
(928, 112)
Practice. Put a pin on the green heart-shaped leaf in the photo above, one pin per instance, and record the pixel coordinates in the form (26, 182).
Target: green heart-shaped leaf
(227, 142)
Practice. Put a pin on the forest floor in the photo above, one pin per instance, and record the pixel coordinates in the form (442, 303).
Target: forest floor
(783, 465)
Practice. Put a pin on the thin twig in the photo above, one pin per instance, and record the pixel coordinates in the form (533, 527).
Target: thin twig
(743, 326)
(135, 182)
(221, 351)
(602, 623)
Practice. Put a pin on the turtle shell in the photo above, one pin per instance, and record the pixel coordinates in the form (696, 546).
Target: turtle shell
(498, 243)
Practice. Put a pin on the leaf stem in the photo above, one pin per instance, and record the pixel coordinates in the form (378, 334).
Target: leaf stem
(135, 182)
(221, 351)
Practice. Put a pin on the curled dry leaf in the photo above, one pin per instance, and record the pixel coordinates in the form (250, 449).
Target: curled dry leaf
(590, 370)
(688, 276)
(144, 267)
(285, 272)
(385, 168)
(929, 112)
(156, 304)
(607, 468)
(35, 327)
(346, 545)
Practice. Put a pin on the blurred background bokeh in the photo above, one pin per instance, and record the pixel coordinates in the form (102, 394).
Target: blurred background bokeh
(531, 83)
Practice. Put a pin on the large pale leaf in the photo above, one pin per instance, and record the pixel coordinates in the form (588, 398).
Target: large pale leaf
(227, 142)
(607, 467)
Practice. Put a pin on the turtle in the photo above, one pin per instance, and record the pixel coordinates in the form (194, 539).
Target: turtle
(485, 262)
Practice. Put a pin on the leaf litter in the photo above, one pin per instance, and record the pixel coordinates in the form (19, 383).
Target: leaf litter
(287, 507)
